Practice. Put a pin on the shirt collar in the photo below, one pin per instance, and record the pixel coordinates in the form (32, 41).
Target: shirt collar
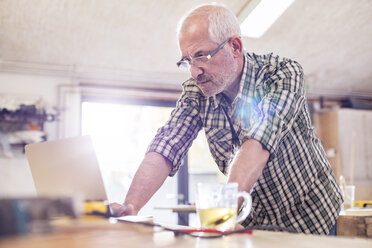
(247, 82)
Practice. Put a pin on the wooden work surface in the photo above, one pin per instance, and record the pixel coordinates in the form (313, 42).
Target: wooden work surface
(94, 234)
(355, 223)
(179, 208)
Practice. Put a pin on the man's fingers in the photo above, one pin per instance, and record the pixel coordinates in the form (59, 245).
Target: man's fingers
(118, 210)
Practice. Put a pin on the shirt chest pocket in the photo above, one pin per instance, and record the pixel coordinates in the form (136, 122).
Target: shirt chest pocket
(220, 143)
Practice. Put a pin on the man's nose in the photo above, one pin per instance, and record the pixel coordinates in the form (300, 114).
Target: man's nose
(196, 71)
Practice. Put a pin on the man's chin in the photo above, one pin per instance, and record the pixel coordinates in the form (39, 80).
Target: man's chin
(206, 92)
(209, 93)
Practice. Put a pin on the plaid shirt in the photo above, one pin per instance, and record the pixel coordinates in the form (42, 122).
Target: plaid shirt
(297, 188)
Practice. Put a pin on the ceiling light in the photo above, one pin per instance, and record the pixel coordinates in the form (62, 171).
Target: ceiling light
(263, 16)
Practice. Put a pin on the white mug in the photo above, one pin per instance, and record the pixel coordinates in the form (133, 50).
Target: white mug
(217, 205)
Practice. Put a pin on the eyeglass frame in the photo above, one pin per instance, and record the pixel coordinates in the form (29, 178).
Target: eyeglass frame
(187, 61)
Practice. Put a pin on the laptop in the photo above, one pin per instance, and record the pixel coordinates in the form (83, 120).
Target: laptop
(66, 167)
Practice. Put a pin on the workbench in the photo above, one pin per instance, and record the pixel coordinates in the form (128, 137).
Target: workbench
(102, 233)
(355, 222)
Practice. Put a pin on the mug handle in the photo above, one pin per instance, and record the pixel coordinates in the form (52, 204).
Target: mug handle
(246, 206)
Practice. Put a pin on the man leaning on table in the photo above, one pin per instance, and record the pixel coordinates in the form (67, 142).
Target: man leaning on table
(254, 113)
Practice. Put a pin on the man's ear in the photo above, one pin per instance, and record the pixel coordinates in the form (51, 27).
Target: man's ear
(237, 45)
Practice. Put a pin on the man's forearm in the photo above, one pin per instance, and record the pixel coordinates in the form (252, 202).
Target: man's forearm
(248, 164)
(149, 177)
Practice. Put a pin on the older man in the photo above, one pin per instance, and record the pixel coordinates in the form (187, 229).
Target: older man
(255, 116)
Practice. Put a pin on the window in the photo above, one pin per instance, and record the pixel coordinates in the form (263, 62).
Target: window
(121, 134)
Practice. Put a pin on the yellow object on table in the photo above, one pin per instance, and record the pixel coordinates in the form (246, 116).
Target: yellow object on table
(97, 208)
(362, 204)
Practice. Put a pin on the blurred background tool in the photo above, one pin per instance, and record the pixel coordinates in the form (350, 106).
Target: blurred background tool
(23, 215)
(97, 208)
(363, 204)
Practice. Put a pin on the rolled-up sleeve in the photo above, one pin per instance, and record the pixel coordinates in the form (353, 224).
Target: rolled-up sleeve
(274, 113)
(175, 138)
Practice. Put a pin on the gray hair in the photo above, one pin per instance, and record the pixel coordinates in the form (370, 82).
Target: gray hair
(223, 23)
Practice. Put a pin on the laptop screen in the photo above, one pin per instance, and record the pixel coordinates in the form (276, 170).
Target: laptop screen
(66, 167)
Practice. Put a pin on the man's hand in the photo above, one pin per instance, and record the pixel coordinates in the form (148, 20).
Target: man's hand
(238, 227)
(118, 210)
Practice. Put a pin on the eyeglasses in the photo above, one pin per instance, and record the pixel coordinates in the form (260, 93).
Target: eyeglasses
(186, 62)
